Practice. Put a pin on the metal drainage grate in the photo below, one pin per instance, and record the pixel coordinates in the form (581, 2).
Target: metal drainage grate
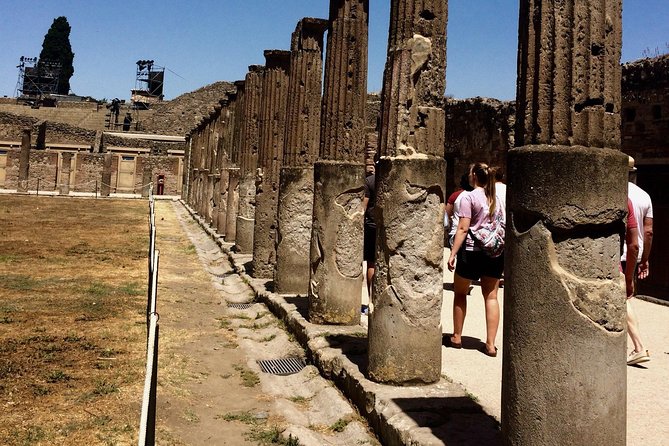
(239, 306)
(281, 367)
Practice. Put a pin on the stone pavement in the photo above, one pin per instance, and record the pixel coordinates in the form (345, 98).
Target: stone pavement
(647, 384)
(440, 413)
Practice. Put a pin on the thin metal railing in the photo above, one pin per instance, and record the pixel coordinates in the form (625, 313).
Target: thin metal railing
(147, 424)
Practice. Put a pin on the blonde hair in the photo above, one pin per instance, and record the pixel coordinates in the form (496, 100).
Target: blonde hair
(485, 176)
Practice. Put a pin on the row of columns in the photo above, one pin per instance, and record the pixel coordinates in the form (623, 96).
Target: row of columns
(290, 165)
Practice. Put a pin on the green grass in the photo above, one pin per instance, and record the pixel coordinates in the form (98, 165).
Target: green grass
(249, 377)
(57, 376)
(104, 387)
(243, 417)
(340, 425)
(191, 416)
(272, 436)
(131, 289)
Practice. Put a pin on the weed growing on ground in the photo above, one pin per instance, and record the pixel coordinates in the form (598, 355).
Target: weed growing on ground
(191, 416)
(243, 417)
(249, 377)
(272, 436)
(58, 376)
(104, 387)
(268, 338)
(340, 425)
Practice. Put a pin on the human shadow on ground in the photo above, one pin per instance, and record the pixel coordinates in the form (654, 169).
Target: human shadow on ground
(248, 267)
(468, 342)
(457, 421)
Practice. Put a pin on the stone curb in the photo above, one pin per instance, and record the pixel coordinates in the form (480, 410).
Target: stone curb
(438, 414)
(653, 300)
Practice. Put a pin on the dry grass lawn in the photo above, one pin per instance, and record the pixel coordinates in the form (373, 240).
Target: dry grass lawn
(72, 320)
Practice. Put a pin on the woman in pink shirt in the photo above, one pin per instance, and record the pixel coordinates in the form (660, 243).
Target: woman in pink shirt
(477, 207)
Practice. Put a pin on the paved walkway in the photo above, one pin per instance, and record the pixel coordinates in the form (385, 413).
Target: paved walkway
(647, 384)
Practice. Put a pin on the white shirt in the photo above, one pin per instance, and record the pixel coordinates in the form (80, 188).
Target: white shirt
(500, 193)
(643, 208)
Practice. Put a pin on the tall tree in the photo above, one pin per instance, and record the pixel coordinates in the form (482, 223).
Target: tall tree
(56, 48)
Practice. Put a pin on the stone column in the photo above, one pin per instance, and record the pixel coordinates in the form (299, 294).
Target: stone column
(223, 162)
(233, 170)
(272, 129)
(65, 165)
(405, 324)
(185, 173)
(40, 143)
(24, 161)
(296, 191)
(335, 283)
(248, 160)
(564, 372)
(105, 181)
(215, 119)
(147, 175)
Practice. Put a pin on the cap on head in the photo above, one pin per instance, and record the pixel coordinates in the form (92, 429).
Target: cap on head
(630, 163)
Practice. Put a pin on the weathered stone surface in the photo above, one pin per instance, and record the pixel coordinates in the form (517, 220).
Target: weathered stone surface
(336, 243)
(335, 291)
(24, 161)
(232, 205)
(105, 187)
(303, 120)
(569, 73)
(564, 290)
(296, 196)
(270, 155)
(404, 326)
(564, 310)
(412, 117)
(245, 215)
(65, 173)
(345, 87)
(248, 160)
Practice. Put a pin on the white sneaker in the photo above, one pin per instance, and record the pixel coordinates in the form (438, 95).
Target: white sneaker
(638, 357)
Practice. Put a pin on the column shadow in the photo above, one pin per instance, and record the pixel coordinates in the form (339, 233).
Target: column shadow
(457, 421)
(301, 304)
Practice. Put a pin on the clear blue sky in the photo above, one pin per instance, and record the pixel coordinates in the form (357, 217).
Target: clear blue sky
(210, 40)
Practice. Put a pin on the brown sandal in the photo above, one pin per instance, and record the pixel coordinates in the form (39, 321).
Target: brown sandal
(454, 344)
(487, 352)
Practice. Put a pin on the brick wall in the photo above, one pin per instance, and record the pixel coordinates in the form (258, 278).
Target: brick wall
(43, 167)
(164, 165)
(88, 170)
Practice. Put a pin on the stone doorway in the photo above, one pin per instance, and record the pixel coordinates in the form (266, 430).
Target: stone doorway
(126, 175)
(3, 165)
(654, 179)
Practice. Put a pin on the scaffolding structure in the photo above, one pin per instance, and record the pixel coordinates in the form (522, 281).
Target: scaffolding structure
(37, 78)
(149, 83)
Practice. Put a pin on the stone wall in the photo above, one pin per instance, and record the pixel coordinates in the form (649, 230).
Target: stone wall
(43, 168)
(645, 113)
(159, 165)
(11, 168)
(157, 147)
(477, 129)
(88, 172)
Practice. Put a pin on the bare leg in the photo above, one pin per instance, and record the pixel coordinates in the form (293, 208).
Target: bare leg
(370, 276)
(633, 327)
(489, 287)
(461, 288)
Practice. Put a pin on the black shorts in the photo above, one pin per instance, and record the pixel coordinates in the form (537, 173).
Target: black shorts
(473, 265)
(369, 244)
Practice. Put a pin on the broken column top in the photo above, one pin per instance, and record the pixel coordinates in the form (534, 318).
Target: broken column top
(276, 59)
(308, 34)
(412, 117)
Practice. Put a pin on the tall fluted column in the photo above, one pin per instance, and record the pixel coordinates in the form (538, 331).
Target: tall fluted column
(564, 377)
(335, 283)
(296, 191)
(405, 324)
(248, 160)
(272, 129)
(233, 167)
(222, 162)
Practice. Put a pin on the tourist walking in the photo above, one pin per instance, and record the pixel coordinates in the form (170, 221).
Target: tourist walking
(481, 224)
(642, 213)
(369, 236)
(453, 205)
